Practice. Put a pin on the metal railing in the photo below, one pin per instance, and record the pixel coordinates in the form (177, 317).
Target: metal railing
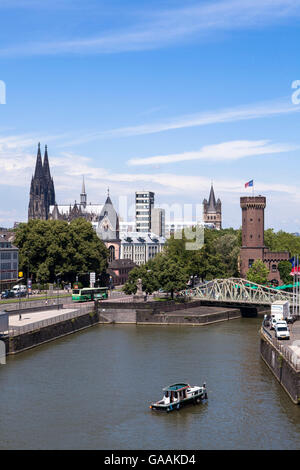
(19, 330)
(237, 290)
(283, 349)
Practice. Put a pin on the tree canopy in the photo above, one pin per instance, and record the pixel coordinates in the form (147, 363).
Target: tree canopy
(258, 272)
(172, 269)
(49, 247)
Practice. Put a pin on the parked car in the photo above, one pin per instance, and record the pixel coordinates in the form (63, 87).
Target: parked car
(20, 294)
(7, 294)
(281, 330)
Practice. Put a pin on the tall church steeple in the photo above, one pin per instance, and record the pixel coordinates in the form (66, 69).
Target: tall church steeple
(83, 195)
(212, 210)
(39, 166)
(42, 193)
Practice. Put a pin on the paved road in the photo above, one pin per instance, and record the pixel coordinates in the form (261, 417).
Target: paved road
(294, 329)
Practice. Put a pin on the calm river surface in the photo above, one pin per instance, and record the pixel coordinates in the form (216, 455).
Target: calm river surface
(92, 390)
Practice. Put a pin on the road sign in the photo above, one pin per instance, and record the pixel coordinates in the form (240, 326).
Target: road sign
(92, 279)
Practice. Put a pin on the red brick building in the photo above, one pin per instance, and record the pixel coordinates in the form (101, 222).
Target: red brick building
(253, 246)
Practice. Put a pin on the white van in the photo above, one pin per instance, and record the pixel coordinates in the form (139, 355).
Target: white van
(19, 288)
(281, 330)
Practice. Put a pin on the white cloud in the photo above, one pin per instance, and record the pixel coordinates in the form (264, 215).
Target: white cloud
(18, 165)
(163, 28)
(241, 113)
(224, 151)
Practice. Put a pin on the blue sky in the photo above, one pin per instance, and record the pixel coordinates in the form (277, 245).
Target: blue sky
(162, 95)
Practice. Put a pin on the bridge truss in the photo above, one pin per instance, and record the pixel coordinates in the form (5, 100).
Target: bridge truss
(238, 291)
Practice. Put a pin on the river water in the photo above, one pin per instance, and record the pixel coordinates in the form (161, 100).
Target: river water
(92, 390)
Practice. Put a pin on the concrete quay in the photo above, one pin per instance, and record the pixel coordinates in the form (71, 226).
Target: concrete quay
(164, 313)
(283, 358)
(36, 328)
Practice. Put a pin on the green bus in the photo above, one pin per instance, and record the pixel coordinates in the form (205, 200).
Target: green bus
(87, 294)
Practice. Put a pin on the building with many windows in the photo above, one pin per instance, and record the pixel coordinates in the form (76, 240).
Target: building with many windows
(144, 203)
(140, 247)
(158, 225)
(9, 262)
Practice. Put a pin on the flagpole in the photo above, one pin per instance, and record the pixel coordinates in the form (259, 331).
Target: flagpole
(296, 292)
(294, 289)
(296, 285)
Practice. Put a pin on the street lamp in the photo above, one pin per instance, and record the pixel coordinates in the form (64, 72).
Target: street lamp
(20, 316)
(57, 283)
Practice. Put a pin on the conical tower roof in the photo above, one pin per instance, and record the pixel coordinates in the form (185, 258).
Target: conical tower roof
(39, 172)
(212, 199)
(46, 166)
(108, 200)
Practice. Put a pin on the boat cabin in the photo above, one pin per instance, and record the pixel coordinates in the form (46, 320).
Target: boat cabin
(175, 393)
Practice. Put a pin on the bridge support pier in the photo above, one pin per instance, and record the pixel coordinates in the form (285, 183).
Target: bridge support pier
(252, 312)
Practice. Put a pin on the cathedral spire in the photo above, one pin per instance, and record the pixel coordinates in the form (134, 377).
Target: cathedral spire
(39, 166)
(83, 186)
(46, 166)
(83, 195)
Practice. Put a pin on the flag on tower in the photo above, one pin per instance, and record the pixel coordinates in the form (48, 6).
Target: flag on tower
(250, 183)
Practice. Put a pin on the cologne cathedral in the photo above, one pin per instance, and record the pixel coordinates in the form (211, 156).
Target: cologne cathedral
(42, 202)
(42, 194)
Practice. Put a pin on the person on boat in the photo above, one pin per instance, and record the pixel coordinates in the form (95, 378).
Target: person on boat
(166, 399)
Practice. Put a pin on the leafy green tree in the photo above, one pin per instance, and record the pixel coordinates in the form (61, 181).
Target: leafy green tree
(148, 274)
(258, 273)
(43, 273)
(49, 247)
(285, 268)
(171, 275)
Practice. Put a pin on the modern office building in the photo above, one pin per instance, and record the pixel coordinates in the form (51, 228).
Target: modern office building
(158, 221)
(144, 204)
(9, 262)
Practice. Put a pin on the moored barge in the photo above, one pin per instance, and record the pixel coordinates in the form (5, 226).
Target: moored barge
(178, 395)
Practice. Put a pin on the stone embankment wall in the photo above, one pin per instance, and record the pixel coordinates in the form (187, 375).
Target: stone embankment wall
(163, 313)
(281, 367)
(15, 344)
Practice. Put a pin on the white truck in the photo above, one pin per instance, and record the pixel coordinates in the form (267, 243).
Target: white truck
(280, 310)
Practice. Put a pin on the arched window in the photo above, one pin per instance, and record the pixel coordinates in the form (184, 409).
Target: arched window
(112, 253)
